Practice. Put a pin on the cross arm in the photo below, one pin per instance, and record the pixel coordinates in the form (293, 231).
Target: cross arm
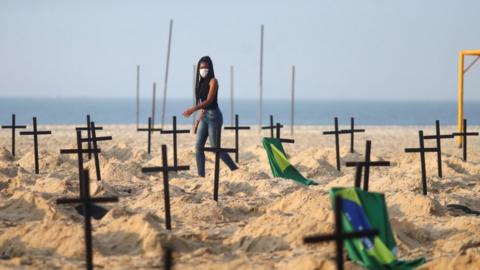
(371, 163)
(233, 127)
(467, 134)
(214, 149)
(86, 128)
(105, 138)
(160, 169)
(178, 131)
(352, 130)
(417, 150)
(348, 235)
(333, 132)
(33, 133)
(431, 137)
(13, 126)
(76, 151)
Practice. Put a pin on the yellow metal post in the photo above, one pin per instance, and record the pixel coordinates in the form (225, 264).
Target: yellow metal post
(461, 73)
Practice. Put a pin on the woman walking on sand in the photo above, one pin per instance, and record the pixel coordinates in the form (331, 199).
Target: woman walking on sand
(210, 120)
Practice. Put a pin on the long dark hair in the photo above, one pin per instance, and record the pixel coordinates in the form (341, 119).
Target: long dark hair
(198, 79)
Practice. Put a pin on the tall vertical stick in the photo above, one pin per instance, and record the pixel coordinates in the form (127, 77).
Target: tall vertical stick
(422, 163)
(164, 101)
(138, 95)
(154, 98)
(35, 144)
(337, 144)
(292, 105)
(166, 191)
(231, 96)
(261, 79)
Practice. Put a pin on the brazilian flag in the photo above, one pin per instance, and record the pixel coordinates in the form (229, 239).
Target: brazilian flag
(279, 163)
(364, 210)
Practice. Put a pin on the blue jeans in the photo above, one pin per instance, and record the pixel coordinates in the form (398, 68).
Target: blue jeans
(209, 126)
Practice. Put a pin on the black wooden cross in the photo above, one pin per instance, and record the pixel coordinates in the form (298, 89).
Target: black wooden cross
(278, 126)
(89, 130)
(94, 140)
(79, 152)
(337, 133)
(438, 137)
(272, 127)
(352, 131)
(149, 131)
(218, 150)
(13, 126)
(464, 136)
(174, 132)
(339, 236)
(166, 194)
(237, 128)
(167, 258)
(35, 134)
(367, 164)
(422, 150)
(87, 203)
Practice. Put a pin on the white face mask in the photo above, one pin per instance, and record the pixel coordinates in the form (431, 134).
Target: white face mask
(203, 72)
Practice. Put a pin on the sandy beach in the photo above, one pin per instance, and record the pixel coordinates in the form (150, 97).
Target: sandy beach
(259, 221)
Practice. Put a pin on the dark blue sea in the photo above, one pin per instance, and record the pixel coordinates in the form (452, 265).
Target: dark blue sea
(307, 112)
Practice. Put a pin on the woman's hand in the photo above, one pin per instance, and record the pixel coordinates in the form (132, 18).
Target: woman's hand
(188, 112)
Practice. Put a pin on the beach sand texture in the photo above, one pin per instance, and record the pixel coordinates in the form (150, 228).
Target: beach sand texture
(259, 221)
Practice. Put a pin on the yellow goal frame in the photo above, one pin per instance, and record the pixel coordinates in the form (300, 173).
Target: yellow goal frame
(461, 72)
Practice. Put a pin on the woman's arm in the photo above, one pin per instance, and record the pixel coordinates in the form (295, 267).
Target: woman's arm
(210, 97)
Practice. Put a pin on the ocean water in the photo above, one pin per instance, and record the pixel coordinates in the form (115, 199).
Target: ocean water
(307, 112)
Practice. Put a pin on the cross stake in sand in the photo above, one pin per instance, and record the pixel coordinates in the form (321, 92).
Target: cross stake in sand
(167, 258)
(367, 164)
(149, 131)
(422, 150)
(166, 194)
(237, 128)
(89, 130)
(271, 126)
(79, 152)
(218, 150)
(464, 136)
(278, 126)
(337, 133)
(94, 140)
(35, 134)
(438, 137)
(339, 236)
(87, 203)
(352, 131)
(13, 126)
(174, 132)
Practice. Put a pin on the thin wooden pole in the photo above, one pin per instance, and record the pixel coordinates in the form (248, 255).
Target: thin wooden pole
(292, 105)
(231, 97)
(153, 103)
(164, 101)
(138, 95)
(261, 79)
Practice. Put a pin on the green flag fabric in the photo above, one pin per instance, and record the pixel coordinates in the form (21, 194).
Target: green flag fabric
(368, 210)
(279, 163)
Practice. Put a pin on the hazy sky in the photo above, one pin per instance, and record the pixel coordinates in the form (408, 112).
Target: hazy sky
(371, 49)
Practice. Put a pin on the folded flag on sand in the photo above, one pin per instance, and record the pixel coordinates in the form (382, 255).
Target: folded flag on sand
(279, 163)
(367, 210)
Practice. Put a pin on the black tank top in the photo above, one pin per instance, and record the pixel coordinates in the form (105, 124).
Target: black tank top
(204, 86)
